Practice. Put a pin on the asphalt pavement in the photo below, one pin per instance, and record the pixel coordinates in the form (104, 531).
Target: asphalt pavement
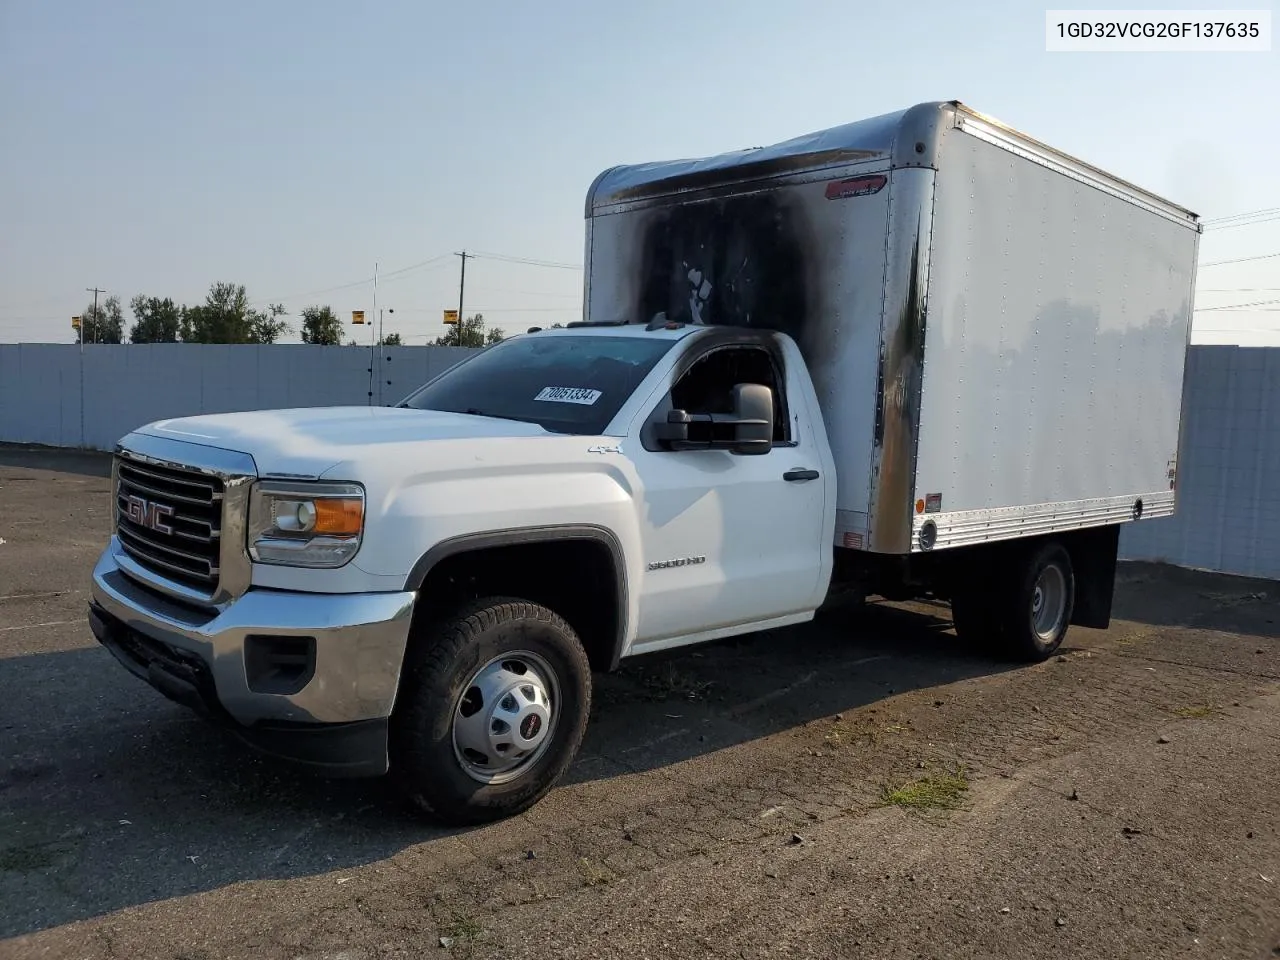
(864, 786)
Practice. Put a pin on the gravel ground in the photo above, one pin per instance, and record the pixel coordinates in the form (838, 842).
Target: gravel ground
(1120, 800)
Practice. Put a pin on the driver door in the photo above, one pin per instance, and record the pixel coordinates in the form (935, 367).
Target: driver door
(728, 539)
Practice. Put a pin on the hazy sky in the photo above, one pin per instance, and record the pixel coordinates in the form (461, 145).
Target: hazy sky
(155, 147)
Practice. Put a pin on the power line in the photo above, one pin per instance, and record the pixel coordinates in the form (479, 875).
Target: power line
(1220, 263)
(527, 261)
(1249, 214)
(1244, 223)
(1239, 306)
(315, 293)
(532, 293)
(399, 273)
(439, 258)
(354, 283)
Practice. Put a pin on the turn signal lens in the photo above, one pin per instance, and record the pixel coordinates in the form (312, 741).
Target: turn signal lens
(338, 517)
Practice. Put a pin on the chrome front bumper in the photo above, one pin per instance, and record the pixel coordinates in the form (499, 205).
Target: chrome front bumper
(356, 647)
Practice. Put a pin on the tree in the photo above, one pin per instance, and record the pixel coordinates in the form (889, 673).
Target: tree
(156, 320)
(321, 325)
(391, 340)
(222, 318)
(226, 317)
(265, 326)
(103, 324)
(472, 334)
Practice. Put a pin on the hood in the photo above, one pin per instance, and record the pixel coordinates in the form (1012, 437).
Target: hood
(309, 440)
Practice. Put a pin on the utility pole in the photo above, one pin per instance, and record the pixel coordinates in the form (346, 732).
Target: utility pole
(95, 291)
(462, 286)
(373, 333)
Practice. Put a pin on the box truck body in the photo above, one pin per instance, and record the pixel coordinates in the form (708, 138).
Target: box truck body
(997, 332)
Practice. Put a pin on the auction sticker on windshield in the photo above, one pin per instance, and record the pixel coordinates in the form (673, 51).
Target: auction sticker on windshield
(582, 395)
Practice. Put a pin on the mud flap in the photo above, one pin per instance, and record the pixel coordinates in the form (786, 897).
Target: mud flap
(1093, 558)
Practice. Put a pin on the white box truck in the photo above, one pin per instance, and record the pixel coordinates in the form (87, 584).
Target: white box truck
(919, 355)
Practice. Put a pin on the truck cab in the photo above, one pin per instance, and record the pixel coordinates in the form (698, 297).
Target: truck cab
(568, 498)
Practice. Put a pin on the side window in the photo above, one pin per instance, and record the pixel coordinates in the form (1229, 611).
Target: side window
(707, 386)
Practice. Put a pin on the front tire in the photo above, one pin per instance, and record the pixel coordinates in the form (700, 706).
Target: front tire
(492, 710)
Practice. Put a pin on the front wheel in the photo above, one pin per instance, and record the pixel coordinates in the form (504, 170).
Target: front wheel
(493, 708)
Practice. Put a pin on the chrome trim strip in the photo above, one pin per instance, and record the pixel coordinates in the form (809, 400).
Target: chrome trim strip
(153, 580)
(185, 455)
(126, 477)
(172, 551)
(969, 527)
(207, 487)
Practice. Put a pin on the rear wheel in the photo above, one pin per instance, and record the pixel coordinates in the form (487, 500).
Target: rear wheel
(493, 708)
(1037, 606)
(1020, 606)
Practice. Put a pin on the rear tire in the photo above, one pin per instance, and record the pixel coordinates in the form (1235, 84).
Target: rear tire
(1037, 607)
(492, 710)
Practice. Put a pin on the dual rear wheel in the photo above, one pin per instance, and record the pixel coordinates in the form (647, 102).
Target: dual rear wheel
(1021, 607)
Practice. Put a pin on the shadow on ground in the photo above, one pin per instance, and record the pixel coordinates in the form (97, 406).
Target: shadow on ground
(1173, 597)
(110, 796)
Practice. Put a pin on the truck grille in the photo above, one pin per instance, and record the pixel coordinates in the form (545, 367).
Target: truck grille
(169, 520)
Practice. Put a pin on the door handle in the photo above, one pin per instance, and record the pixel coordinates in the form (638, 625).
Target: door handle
(800, 475)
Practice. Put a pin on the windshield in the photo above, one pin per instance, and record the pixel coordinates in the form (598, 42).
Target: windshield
(566, 384)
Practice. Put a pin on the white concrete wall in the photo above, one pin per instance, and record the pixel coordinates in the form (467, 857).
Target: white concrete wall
(1228, 515)
(54, 394)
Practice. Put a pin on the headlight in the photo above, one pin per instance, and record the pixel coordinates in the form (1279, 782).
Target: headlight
(305, 524)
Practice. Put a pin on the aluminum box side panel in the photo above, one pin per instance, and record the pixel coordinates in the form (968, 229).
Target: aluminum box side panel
(797, 255)
(1058, 321)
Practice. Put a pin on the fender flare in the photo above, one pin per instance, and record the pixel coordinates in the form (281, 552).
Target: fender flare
(471, 542)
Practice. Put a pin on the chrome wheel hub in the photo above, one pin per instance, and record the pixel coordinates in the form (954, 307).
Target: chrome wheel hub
(504, 720)
(1048, 603)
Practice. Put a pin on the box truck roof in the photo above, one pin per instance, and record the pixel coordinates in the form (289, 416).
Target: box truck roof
(906, 138)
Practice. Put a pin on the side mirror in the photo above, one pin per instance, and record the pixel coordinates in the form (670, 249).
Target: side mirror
(748, 430)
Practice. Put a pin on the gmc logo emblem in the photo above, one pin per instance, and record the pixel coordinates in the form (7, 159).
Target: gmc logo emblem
(147, 514)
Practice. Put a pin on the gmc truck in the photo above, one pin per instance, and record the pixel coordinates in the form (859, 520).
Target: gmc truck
(918, 355)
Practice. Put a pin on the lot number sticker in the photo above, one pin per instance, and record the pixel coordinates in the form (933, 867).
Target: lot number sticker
(581, 395)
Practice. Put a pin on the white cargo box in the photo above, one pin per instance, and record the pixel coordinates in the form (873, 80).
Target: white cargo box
(997, 331)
